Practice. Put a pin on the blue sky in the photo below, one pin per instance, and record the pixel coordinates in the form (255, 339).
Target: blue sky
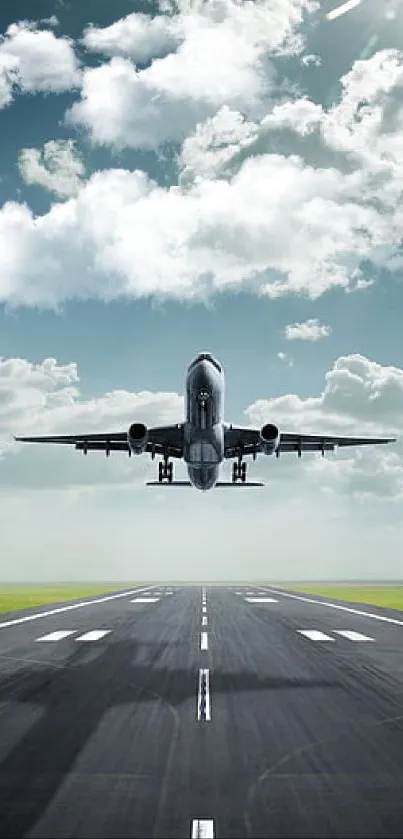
(244, 159)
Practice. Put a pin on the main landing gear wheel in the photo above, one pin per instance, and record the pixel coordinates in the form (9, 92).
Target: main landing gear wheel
(165, 472)
(239, 472)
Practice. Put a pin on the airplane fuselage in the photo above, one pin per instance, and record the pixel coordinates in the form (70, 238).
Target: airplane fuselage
(204, 423)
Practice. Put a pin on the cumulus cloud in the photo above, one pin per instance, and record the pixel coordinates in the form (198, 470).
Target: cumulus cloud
(57, 167)
(221, 59)
(34, 60)
(125, 236)
(46, 398)
(137, 36)
(360, 398)
(309, 330)
(286, 359)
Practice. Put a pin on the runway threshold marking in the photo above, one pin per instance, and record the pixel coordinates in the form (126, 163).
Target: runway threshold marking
(353, 636)
(203, 696)
(145, 600)
(315, 635)
(58, 635)
(59, 609)
(204, 641)
(93, 635)
(202, 829)
(261, 600)
(327, 603)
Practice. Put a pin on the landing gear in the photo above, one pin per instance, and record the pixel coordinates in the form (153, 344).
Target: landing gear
(165, 471)
(239, 471)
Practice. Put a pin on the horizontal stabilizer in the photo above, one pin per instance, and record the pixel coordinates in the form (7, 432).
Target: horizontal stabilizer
(218, 484)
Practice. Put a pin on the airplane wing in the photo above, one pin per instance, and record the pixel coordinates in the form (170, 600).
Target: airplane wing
(164, 439)
(247, 441)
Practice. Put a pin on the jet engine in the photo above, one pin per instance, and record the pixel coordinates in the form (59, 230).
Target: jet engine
(269, 438)
(137, 437)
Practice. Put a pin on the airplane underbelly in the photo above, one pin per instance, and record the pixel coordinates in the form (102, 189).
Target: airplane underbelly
(203, 453)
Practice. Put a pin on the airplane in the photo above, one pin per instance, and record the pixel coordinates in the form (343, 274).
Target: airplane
(204, 440)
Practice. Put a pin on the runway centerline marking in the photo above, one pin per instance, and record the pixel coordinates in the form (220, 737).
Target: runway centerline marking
(260, 600)
(204, 609)
(315, 635)
(93, 635)
(204, 641)
(202, 829)
(145, 600)
(349, 609)
(204, 620)
(59, 609)
(353, 636)
(58, 635)
(203, 696)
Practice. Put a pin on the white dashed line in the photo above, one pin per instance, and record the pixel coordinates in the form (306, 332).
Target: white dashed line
(204, 609)
(145, 600)
(58, 635)
(203, 696)
(327, 603)
(353, 636)
(94, 635)
(315, 635)
(60, 609)
(204, 641)
(202, 829)
(261, 600)
(204, 620)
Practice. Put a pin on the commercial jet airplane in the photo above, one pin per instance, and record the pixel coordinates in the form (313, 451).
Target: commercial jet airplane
(204, 440)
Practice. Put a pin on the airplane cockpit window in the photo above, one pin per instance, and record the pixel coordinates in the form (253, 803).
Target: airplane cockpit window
(208, 357)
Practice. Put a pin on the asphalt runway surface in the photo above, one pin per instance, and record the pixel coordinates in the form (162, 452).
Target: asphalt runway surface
(249, 712)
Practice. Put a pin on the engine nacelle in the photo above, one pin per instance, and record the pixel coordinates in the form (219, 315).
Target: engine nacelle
(269, 438)
(137, 437)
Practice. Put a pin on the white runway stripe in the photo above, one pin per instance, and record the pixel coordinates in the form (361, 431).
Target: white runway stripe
(94, 635)
(203, 696)
(58, 635)
(204, 609)
(204, 641)
(60, 609)
(261, 600)
(353, 636)
(145, 600)
(315, 635)
(330, 605)
(202, 829)
(204, 620)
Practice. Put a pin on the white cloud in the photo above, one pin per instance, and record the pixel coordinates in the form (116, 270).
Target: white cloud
(34, 60)
(310, 330)
(286, 359)
(360, 398)
(57, 167)
(137, 36)
(124, 235)
(221, 59)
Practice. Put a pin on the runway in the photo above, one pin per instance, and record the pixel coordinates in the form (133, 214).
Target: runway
(206, 712)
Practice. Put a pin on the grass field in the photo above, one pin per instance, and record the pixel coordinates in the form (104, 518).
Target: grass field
(389, 596)
(14, 597)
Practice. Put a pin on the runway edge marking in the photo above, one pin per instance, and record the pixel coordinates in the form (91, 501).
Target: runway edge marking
(60, 609)
(352, 611)
(202, 829)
